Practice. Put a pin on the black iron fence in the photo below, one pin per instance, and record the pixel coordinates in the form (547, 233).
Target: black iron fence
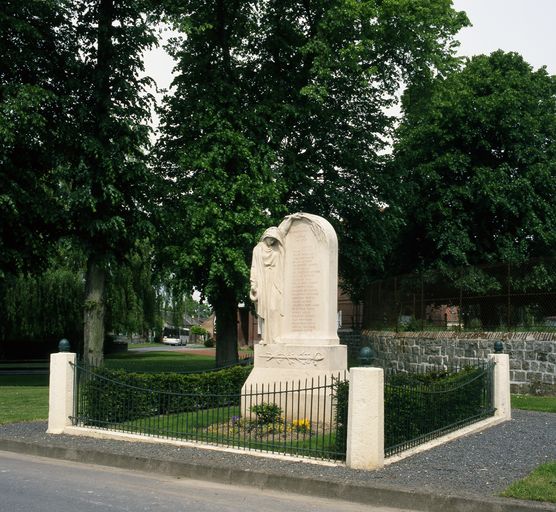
(490, 297)
(419, 407)
(299, 418)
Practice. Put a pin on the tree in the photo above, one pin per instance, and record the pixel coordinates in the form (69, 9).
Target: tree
(280, 106)
(133, 297)
(107, 177)
(479, 161)
(74, 134)
(221, 189)
(36, 63)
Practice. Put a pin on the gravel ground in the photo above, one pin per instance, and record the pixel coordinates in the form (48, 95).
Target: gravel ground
(478, 464)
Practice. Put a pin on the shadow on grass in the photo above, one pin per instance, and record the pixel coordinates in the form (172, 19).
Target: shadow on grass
(24, 380)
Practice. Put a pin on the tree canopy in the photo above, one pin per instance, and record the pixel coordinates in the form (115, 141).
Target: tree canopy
(36, 54)
(478, 159)
(278, 107)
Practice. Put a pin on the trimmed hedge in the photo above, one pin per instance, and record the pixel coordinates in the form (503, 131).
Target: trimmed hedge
(419, 404)
(115, 396)
(341, 400)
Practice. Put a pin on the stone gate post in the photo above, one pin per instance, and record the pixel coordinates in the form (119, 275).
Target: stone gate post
(61, 391)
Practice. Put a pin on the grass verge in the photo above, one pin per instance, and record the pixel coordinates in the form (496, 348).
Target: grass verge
(23, 398)
(534, 403)
(540, 485)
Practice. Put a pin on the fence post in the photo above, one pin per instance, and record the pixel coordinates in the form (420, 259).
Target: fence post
(365, 428)
(61, 392)
(501, 398)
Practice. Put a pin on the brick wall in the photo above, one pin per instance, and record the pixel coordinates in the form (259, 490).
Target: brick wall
(532, 354)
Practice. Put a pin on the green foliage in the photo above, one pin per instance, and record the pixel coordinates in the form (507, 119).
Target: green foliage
(198, 330)
(133, 302)
(266, 413)
(36, 55)
(114, 396)
(42, 307)
(478, 155)
(209, 343)
(280, 107)
(341, 401)
(538, 486)
(416, 405)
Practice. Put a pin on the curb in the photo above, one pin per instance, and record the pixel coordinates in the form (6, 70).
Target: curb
(369, 495)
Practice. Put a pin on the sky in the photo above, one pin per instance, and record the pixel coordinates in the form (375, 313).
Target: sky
(524, 26)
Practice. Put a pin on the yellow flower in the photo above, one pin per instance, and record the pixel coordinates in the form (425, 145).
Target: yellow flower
(301, 425)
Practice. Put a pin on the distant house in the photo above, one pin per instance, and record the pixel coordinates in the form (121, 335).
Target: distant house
(442, 315)
(208, 325)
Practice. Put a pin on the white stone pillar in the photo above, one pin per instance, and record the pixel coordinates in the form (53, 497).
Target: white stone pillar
(502, 398)
(61, 391)
(365, 435)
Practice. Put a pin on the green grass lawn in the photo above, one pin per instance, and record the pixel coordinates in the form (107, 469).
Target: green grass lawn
(534, 403)
(540, 485)
(216, 425)
(23, 398)
(162, 361)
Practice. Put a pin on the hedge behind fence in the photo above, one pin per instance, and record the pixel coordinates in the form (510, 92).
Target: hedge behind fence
(115, 396)
(416, 405)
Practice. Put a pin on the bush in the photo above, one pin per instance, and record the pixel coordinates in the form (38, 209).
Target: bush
(266, 413)
(341, 398)
(114, 396)
(209, 343)
(418, 404)
(198, 330)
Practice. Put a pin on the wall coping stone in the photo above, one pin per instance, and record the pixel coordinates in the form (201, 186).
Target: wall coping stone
(464, 335)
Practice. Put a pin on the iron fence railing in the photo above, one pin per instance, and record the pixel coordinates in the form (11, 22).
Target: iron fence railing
(489, 297)
(299, 418)
(419, 407)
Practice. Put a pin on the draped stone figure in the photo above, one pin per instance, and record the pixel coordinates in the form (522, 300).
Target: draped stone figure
(267, 283)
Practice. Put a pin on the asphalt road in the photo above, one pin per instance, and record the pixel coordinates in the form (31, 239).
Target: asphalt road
(35, 484)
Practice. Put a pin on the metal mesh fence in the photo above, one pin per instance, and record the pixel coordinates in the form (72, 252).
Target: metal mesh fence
(419, 407)
(494, 297)
(297, 418)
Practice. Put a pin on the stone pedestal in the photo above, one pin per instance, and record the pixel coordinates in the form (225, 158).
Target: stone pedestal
(297, 378)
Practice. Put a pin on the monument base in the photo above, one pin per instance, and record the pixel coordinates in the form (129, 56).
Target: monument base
(297, 378)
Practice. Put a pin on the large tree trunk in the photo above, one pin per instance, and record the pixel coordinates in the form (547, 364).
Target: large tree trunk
(93, 334)
(225, 310)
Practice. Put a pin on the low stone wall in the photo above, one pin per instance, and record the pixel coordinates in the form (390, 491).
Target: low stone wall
(532, 354)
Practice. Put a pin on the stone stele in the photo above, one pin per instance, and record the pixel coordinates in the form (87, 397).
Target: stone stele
(295, 276)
